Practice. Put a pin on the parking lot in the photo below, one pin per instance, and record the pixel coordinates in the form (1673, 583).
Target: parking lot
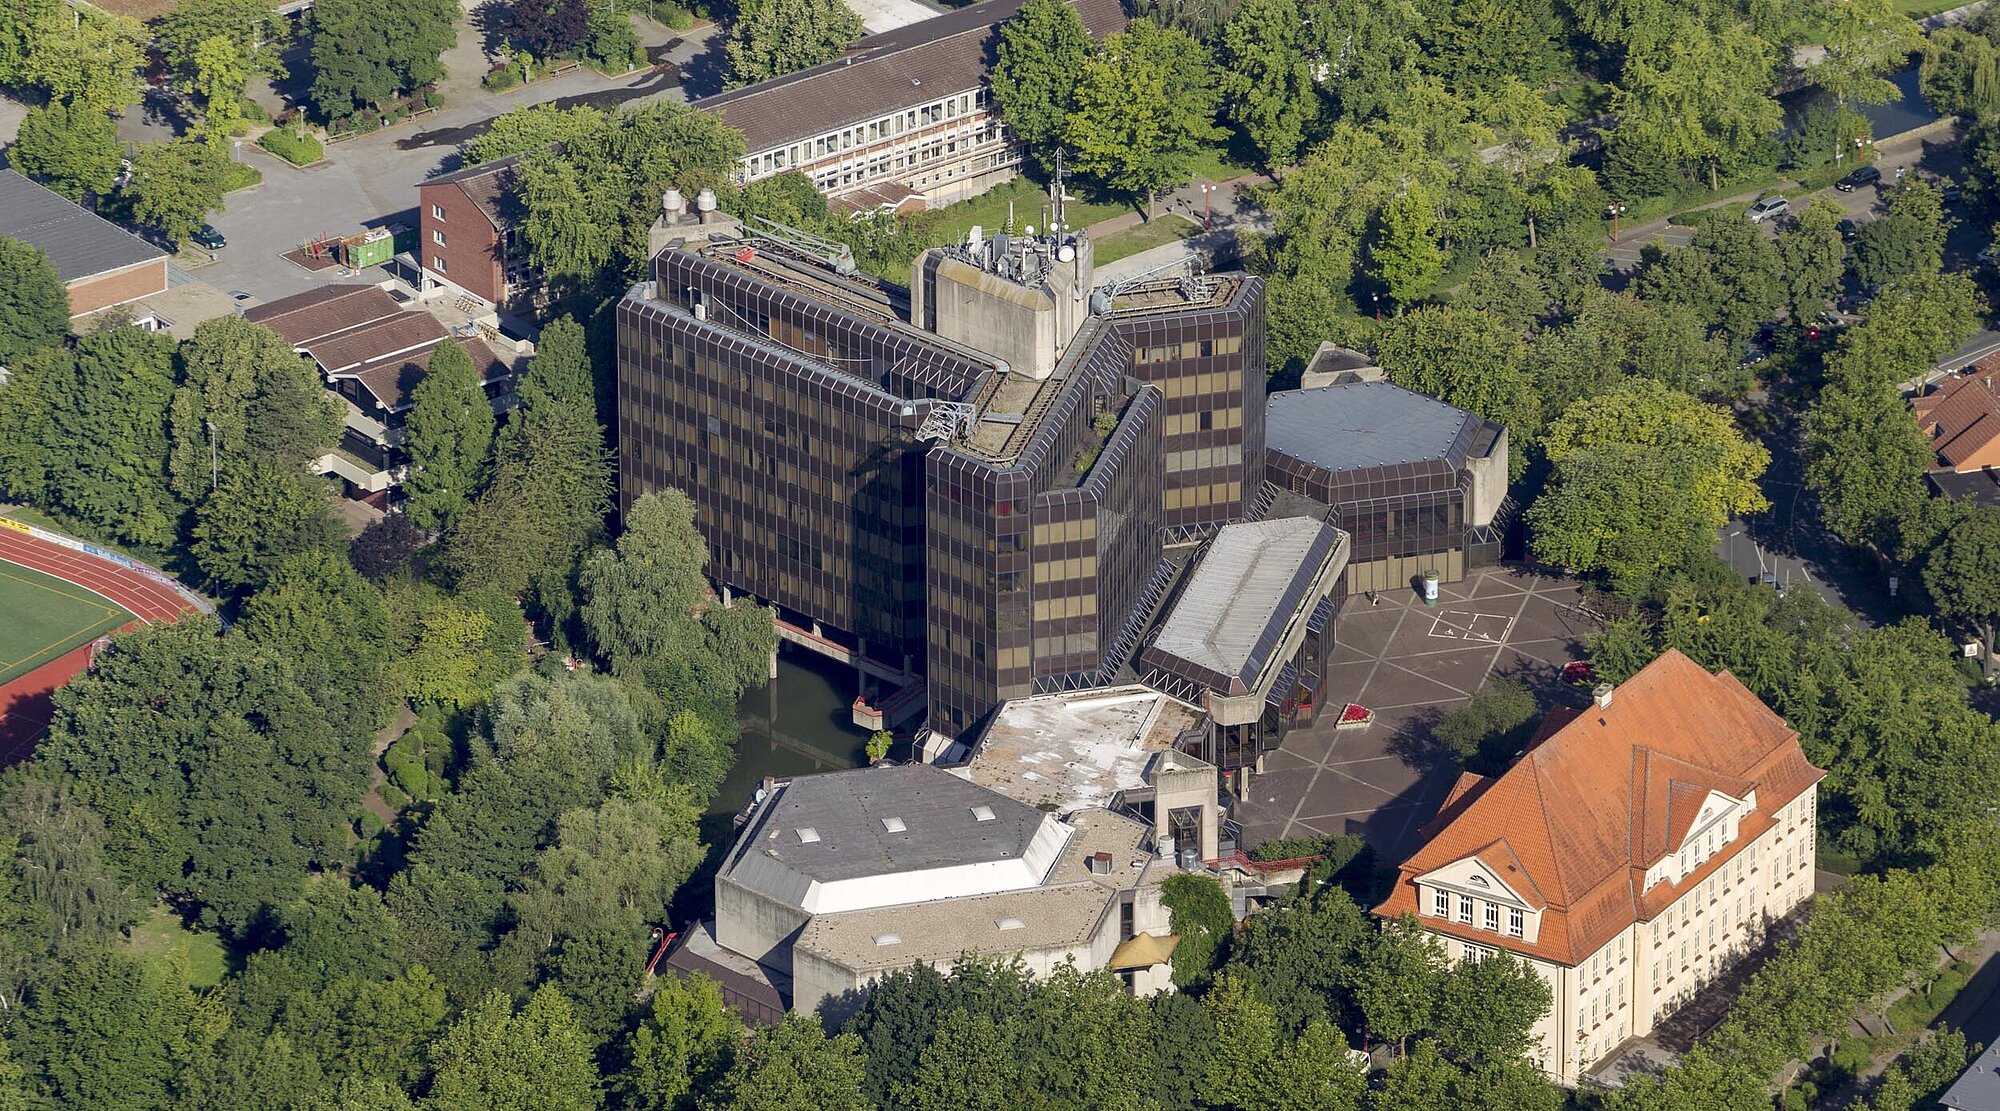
(1410, 663)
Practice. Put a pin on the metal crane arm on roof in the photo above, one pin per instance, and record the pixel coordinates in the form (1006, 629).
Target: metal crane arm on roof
(838, 257)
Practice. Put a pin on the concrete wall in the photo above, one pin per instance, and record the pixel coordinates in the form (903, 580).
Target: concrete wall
(101, 291)
(1489, 484)
(759, 928)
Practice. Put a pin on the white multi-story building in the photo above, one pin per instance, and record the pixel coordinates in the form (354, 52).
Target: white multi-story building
(903, 119)
(1636, 848)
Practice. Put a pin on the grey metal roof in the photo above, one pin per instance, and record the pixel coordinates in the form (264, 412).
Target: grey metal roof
(846, 812)
(1237, 602)
(1979, 1088)
(78, 242)
(1361, 424)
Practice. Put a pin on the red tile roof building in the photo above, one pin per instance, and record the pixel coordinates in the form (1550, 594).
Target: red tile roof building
(1627, 856)
(1961, 418)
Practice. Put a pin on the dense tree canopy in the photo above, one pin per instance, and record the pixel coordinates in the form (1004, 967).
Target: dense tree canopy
(1041, 50)
(34, 304)
(768, 38)
(367, 52)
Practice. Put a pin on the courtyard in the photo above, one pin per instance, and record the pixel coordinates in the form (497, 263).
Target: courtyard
(1411, 664)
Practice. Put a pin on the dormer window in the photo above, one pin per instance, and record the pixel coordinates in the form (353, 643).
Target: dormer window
(1465, 909)
(1493, 917)
(1440, 903)
(1514, 921)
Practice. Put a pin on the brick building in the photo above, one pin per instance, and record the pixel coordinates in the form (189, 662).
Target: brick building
(101, 263)
(467, 238)
(1639, 846)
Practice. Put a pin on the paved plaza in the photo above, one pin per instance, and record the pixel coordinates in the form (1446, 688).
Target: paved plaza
(1411, 664)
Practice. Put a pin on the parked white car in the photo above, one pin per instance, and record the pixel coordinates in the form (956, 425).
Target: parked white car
(1769, 208)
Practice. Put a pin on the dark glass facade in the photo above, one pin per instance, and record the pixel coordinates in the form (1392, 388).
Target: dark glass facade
(1202, 347)
(995, 560)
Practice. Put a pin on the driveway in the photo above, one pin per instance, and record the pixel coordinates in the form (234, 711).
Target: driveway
(1411, 664)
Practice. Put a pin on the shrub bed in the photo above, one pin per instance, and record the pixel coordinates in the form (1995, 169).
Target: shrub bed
(288, 145)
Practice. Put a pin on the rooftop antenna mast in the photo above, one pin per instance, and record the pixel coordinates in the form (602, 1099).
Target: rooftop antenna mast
(1058, 226)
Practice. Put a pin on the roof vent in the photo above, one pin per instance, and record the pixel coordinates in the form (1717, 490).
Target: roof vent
(1601, 694)
(808, 836)
(888, 939)
(1010, 923)
(1098, 864)
(894, 825)
(982, 813)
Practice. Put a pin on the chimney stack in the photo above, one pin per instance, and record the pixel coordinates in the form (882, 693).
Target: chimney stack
(673, 207)
(1601, 694)
(704, 204)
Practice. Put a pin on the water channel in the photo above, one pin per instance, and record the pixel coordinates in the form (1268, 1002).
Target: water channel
(795, 724)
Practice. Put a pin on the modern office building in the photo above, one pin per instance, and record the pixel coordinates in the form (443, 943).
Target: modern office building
(1638, 847)
(958, 483)
(1248, 634)
(901, 120)
(372, 352)
(1418, 485)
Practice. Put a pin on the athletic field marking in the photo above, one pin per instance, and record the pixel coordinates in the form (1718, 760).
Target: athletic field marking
(1490, 628)
(109, 611)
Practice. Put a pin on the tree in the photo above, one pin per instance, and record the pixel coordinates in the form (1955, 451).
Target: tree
(1480, 44)
(649, 611)
(1643, 413)
(1963, 575)
(1201, 917)
(1702, 96)
(85, 433)
(175, 185)
(681, 1046)
(450, 437)
(1960, 73)
(1729, 274)
(559, 374)
(1864, 459)
(531, 127)
(1257, 1067)
(1905, 330)
(319, 613)
(220, 72)
(262, 514)
(89, 61)
(1466, 358)
(1272, 96)
(1370, 53)
(1486, 1011)
(34, 304)
(367, 51)
(73, 151)
(244, 396)
(969, 1064)
(1505, 289)
(1143, 105)
(768, 38)
(1408, 257)
(548, 28)
(794, 1066)
(1395, 983)
(1864, 40)
(1907, 242)
(496, 1060)
(254, 32)
(219, 775)
(1041, 50)
(105, 1031)
(385, 546)
(1812, 255)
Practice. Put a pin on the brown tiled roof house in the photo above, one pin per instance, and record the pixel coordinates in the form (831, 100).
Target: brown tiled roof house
(1651, 815)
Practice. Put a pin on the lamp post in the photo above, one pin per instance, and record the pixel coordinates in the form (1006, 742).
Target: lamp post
(1207, 202)
(1616, 210)
(1377, 299)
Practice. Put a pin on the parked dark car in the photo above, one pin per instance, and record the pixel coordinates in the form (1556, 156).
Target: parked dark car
(1866, 175)
(207, 236)
(1849, 230)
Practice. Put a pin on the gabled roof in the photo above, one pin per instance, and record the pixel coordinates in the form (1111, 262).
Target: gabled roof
(883, 73)
(79, 242)
(1588, 810)
(489, 185)
(1962, 416)
(316, 314)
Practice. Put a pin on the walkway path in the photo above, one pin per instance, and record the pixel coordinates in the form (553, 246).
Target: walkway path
(27, 702)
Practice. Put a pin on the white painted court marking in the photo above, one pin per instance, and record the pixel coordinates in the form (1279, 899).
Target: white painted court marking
(1490, 628)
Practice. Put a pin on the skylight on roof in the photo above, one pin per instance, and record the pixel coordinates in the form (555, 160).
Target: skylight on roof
(1010, 923)
(888, 939)
(894, 825)
(808, 836)
(982, 813)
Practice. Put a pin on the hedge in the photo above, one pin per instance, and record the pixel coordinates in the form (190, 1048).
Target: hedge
(289, 146)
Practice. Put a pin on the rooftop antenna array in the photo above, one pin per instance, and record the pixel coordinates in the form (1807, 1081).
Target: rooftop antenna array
(837, 257)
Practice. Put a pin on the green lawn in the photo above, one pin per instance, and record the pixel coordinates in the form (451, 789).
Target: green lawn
(1164, 229)
(1917, 9)
(160, 938)
(989, 211)
(47, 617)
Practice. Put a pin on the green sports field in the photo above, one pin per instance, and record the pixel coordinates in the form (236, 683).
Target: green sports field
(42, 617)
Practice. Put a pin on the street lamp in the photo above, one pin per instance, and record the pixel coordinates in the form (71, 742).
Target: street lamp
(1208, 189)
(1377, 299)
(1616, 210)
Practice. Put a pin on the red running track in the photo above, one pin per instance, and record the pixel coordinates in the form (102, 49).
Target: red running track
(25, 703)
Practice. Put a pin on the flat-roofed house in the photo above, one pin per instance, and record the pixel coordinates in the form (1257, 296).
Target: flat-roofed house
(902, 119)
(1628, 856)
